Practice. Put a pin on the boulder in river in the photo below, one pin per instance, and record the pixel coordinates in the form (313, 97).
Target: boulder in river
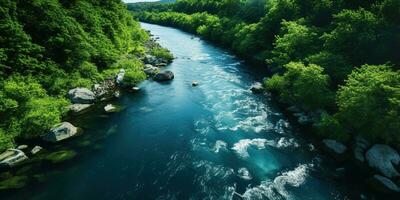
(382, 158)
(383, 184)
(257, 88)
(77, 108)
(36, 150)
(195, 83)
(61, 132)
(164, 76)
(112, 108)
(81, 96)
(335, 146)
(12, 157)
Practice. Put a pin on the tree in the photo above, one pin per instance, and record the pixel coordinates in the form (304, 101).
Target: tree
(296, 43)
(369, 102)
(305, 86)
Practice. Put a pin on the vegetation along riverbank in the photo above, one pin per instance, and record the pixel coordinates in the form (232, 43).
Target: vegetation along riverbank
(334, 64)
(58, 58)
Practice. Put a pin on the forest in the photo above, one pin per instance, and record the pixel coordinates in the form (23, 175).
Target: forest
(51, 46)
(338, 58)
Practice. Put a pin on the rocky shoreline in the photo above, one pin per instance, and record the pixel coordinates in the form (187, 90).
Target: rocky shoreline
(379, 164)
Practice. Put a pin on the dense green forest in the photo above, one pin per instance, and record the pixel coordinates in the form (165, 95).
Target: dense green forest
(48, 47)
(339, 58)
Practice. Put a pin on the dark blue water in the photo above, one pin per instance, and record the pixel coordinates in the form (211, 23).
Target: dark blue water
(175, 141)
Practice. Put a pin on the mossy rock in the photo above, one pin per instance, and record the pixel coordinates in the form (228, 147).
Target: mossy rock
(61, 156)
(14, 182)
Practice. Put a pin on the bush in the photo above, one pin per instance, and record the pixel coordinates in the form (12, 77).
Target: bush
(162, 53)
(6, 141)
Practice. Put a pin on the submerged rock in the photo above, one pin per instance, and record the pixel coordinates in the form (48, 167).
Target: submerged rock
(12, 157)
(13, 182)
(61, 156)
(61, 132)
(334, 146)
(382, 158)
(383, 184)
(164, 76)
(81, 96)
(77, 108)
(257, 88)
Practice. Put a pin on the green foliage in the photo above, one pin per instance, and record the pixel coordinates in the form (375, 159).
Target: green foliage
(162, 53)
(330, 127)
(306, 86)
(41, 114)
(369, 102)
(296, 43)
(6, 141)
(50, 46)
(133, 71)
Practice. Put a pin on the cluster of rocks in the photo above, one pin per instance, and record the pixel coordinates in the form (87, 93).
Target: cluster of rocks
(257, 88)
(380, 160)
(152, 69)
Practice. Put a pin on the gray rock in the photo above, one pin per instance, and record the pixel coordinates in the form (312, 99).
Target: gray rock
(120, 77)
(162, 64)
(149, 59)
(61, 132)
(22, 147)
(164, 76)
(12, 157)
(382, 158)
(76, 108)
(150, 70)
(257, 88)
(360, 148)
(81, 96)
(105, 89)
(110, 108)
(195, 83)
(335, 146)
(135, 89)
(117, 94)
(385, 184)
(36, 150)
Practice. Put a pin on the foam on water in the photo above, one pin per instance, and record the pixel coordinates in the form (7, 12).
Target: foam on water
(276, 188)
(244, 173)
(241, 147)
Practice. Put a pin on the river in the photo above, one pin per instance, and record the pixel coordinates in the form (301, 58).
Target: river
(175, 141)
